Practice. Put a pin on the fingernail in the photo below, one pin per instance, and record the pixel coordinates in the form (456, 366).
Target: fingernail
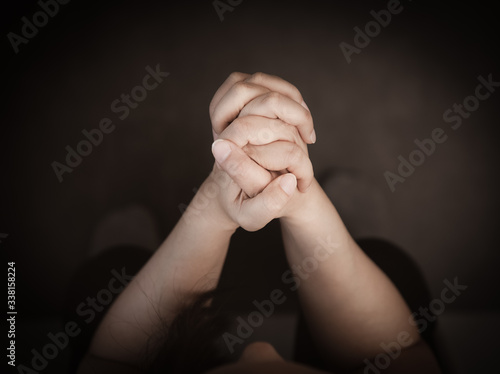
(220, 150)
(313, 136)
(303, 103)
(288, 184)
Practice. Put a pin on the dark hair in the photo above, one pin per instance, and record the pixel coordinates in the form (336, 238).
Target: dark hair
(192, 342)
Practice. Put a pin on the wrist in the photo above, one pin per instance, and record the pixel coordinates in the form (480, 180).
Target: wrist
(314, 218)
(303, 206)
(205, 208)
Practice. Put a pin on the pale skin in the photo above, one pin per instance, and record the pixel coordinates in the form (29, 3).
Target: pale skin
(262, 172)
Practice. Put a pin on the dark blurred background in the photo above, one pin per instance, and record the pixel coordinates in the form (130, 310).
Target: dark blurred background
(366, 114)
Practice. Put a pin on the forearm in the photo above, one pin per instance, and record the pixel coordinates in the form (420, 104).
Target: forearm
(190, 260)
(350, 305)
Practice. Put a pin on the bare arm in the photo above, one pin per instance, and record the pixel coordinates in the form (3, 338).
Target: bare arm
(189, 261)
(349, 303)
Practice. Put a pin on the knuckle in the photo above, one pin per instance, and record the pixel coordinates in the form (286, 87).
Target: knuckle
(295, 93)
(233, 167)
(239, 170)
(265, 135)
(272, 98)
(236, 76)
(308, 117)
(242, 125)
(257, 77)
(242, 87)
(244, 130)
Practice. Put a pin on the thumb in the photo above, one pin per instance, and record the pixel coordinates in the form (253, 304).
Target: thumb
(261, 209)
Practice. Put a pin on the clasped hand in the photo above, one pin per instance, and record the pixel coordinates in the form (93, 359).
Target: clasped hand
(261, 127)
